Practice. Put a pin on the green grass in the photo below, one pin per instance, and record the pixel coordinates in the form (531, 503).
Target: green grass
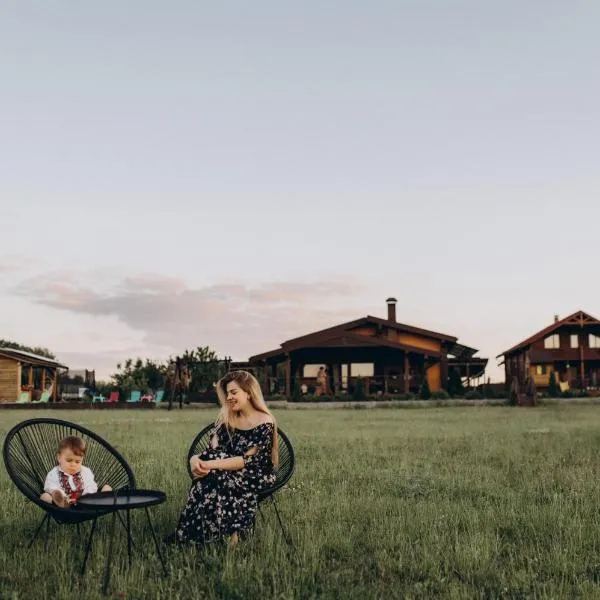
(489, 502)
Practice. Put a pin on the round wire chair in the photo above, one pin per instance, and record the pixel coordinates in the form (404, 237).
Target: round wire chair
(29, 453)
(285, 470)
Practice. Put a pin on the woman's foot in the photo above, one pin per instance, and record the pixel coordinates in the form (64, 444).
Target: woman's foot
(60, 499)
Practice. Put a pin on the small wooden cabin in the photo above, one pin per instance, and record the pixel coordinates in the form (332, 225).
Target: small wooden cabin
(390, 357)
(23, 371)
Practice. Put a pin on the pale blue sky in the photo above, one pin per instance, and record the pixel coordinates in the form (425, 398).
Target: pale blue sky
(236, 173)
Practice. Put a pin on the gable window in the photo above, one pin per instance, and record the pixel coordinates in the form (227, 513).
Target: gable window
(540, 369)
(552, 342)
(594, 341)
(574, 340)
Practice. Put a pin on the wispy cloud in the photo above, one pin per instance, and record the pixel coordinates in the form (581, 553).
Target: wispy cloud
(237, 319)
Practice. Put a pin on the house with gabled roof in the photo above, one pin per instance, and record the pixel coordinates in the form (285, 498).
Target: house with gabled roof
(569, 347)
(389, 356)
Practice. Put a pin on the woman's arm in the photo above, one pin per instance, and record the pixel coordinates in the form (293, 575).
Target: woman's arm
(234, 463)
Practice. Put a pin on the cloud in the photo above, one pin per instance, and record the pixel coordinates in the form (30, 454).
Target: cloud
(235, 319)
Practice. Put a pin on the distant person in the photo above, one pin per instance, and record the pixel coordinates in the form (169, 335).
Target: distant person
(239, 462)
(321, 388)
(70, 480)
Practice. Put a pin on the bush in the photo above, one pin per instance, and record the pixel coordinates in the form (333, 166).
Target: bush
(473, 395)
(425, 392)
(359, 390)
(455, 384)
(440, 395)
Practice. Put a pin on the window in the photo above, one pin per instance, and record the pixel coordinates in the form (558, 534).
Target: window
(594, 341)
(552, 342)
(362, 369)
(311, 370)
(540, 369)
(574, 340)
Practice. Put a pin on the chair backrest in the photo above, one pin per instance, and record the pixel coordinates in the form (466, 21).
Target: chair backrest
(30, 453)
(287, 459)
(135, 396)
(45, 397)
(114, 397)
(159, 396)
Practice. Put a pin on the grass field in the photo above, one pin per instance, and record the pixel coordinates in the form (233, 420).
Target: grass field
(490, 502)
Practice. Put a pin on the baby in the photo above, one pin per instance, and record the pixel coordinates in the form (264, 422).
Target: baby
(70, 479)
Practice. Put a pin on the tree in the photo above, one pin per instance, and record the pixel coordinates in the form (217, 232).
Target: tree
(205, 368)
(553, 390)
(455, 384)
(33, 350)
(425, 391)
(139, 375)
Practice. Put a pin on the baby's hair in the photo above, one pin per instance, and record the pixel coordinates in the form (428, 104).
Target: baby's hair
(73, 443)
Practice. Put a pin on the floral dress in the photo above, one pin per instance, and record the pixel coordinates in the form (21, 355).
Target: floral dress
(225, 502)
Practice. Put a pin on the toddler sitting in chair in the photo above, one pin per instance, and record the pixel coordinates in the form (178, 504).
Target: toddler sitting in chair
(69, 480)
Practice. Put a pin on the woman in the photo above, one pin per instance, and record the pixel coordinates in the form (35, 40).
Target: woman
(239, 462)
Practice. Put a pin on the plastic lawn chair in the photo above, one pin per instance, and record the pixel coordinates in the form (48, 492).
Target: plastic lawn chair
(135, 397)
(24, 398)
(99, 398)
(114, 397)
(159, 396)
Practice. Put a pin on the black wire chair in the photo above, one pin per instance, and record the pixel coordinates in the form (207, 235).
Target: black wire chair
(285, 470)
(30, 453)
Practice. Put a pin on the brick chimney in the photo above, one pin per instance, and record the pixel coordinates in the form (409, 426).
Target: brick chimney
(391, 305)
(556, 318)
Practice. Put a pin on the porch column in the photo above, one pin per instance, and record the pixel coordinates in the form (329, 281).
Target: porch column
(30, 381)
(385, 379)
(336, 378)
(468, 374)
(288, 375)
(581, 364)
(406, 373)
(265, 378)
(43, 379)
(54, 385)
(444, 368)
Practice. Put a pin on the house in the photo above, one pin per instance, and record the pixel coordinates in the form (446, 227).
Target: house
(23, 371)
(569, 347)
(389, 356)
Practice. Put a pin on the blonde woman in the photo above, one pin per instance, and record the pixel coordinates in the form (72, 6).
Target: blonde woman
(239, 462)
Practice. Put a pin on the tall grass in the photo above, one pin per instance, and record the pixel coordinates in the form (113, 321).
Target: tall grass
(488, 502)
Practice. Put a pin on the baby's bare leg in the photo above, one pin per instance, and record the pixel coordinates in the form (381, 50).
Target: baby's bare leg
(46, 497)
(60, 498)
(106, 488)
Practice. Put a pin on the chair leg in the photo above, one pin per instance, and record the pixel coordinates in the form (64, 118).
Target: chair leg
(111, 540)
(160, 556)
(47, 534)
(37, 531)
(89, 546)
(129, 540)
(286, 536)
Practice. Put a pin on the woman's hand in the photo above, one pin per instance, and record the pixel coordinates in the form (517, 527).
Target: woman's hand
(200, 468)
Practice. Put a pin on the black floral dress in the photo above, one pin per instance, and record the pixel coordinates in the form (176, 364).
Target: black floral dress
(225, 502)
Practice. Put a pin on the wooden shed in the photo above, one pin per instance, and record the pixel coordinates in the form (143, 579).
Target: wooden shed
(22, 371)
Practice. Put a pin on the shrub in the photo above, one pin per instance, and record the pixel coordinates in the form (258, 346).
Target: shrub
(455, 384)
(553, 390)
(473, 395)
(359, 390)
(440, 395)
(425, 392)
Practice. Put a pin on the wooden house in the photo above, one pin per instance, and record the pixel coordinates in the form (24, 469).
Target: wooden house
(23, 371)
(389, 356)
(569, 347)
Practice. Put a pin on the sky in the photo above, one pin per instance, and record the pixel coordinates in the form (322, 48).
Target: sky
(234, 174)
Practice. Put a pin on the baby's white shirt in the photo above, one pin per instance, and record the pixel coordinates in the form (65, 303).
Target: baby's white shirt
(53, 481)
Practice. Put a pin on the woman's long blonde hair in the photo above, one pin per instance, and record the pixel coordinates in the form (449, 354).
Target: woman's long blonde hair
(250, 385)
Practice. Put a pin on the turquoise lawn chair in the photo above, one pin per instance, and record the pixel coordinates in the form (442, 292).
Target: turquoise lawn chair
(159, 396)
(99, 398)
(24, 398)
(135, 396)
